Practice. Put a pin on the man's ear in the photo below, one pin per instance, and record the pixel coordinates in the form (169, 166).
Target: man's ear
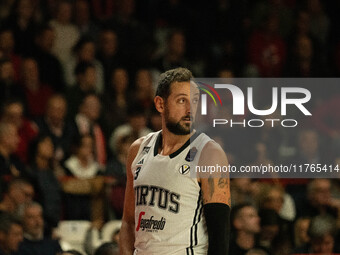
(159, 104)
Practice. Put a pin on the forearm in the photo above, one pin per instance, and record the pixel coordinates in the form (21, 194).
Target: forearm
(127, 238)
(217, 220)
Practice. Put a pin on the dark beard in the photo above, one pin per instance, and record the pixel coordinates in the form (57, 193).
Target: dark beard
(176, 127)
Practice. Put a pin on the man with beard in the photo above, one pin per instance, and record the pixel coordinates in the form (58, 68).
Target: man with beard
(164, 204)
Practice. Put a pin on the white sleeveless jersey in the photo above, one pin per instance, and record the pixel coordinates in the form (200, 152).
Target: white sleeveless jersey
(168, 202)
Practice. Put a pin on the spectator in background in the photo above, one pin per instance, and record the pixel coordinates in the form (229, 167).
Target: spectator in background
(302, 63)
(136, 127)
(103, 10)
(10, 165)
(275, 198)
(155, 120)
(244, 190)
(9, 88)
(116, 178)
(318, 200)
(67, 34)
(116, 100)
(35, 242)
(85, 83)
(55, 125)
(51, 71)
(18, 193)
(108, 54)
(301, 226)
(82, 18)
(308, 148)
(107, 249)
(326, 118)
(246, 224)
(319, 22)
(13, 113)
(44, 178)
(36, 92)
(7, 46)
(322, 232)
(267, 50)
(272, 237)
(11, 234)
(304, 50)
(144, 92)
(5, 8)
(82, 186)
(84, 51)
(23, 24)
(87, 122)
(175, 53)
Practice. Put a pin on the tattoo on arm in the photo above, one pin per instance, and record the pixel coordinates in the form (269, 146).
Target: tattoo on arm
(211, 186)
(223, 182)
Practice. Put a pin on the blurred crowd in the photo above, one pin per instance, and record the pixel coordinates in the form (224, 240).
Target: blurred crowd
(77, 81)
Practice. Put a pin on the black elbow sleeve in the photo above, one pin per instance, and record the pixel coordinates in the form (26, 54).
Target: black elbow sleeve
(217, 217)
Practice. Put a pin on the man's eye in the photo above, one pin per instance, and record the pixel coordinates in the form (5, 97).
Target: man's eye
(195, 101)
(181, 101)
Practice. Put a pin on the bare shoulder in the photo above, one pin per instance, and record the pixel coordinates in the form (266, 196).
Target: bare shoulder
(133, 150)
(212, 145)
(212, 151)
(136, 144)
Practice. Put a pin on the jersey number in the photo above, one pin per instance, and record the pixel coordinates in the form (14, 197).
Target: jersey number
(137, 172)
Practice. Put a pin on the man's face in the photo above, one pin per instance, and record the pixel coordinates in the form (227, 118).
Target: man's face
(56, 111)
(248, 220)
(92, 108)
(30, 71)
(21, 194)
(33, 221)
(10, 138)
(90, 77)
(321, 193)
(180, 108)
(14, 238)
(14, 114)
(323, 245)
(7, 71)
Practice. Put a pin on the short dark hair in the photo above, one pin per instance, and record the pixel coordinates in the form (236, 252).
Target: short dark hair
(179, 74)
(106, 249)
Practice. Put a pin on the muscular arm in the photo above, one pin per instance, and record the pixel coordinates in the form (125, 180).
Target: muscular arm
(216, 199)
(127, 232)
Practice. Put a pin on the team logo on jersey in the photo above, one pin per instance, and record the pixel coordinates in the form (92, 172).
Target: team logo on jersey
(191, 154)
(141, 162)
(146, 149)
(184, 169)
(150, 225)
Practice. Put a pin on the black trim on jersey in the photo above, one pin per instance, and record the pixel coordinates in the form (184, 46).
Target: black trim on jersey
(174, 154)
(193, 229)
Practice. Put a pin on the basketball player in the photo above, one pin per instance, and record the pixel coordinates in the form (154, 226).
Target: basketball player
(166, 211)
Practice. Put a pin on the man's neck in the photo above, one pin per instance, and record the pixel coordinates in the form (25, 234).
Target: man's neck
(172, 142)
(245, 240)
